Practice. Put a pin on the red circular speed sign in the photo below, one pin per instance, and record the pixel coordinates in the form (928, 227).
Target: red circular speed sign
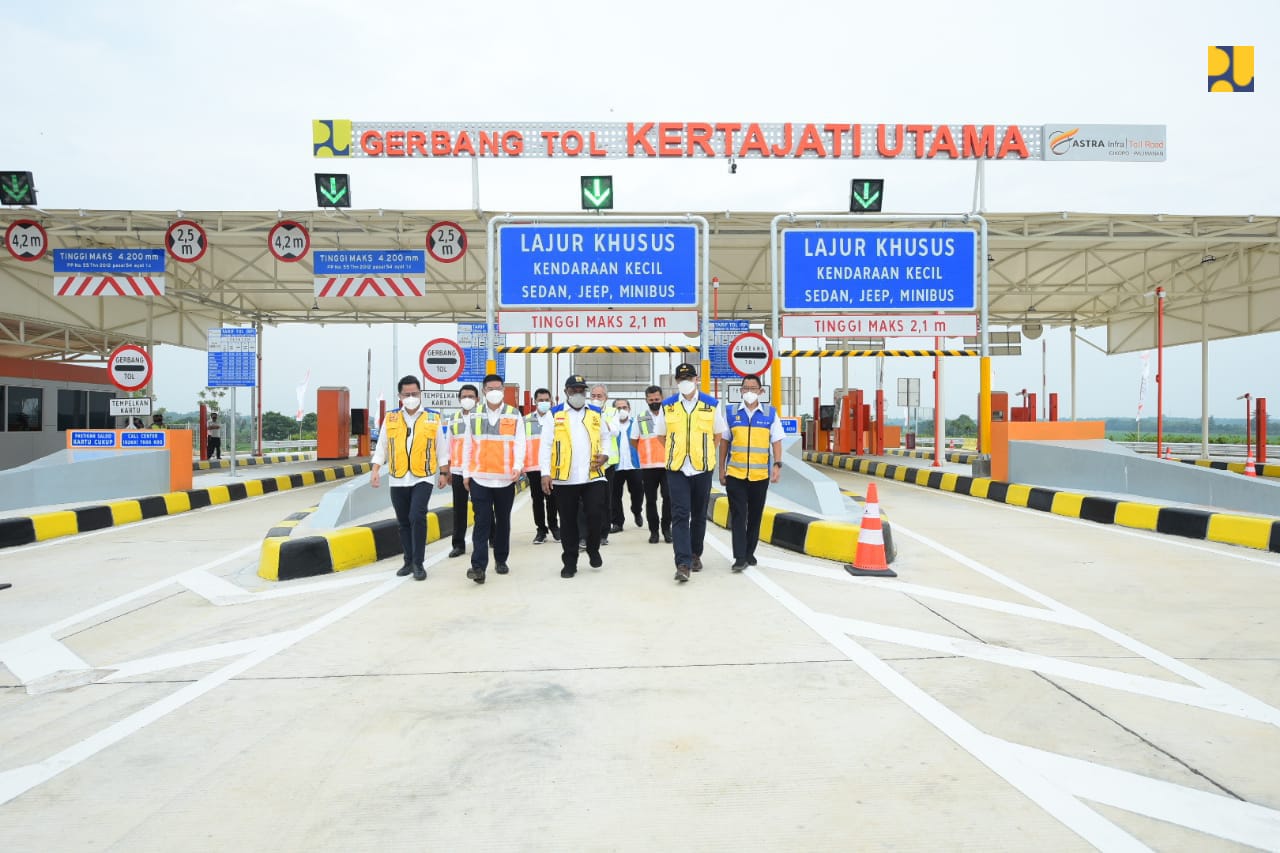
(750, 354)
(442, 361)
(129, 367)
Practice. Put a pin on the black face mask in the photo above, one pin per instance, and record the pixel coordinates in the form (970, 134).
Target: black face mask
(653, 407)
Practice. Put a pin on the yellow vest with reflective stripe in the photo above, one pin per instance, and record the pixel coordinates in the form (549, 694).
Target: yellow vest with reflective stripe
(562, 442)
(691, 435)
(611, 443)
(412, 451)
(750, 449)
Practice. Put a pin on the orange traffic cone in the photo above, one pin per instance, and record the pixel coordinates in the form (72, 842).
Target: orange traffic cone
(1249, 470)
(870, 557)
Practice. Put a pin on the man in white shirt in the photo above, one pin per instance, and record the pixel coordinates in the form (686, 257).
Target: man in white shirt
(627, 474)
(492, 460)
(572, 458)
(414, 445)
(537, 429)
(750, 459)
(214, 430)
(694, 425)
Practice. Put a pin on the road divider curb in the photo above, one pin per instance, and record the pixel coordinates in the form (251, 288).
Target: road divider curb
(1262, 469)
(805, 534)
(962, 457)
(1245, 531)
(268, 459)
(24, 530)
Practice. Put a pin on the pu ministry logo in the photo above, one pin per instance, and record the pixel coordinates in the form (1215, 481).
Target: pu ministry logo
(1231, 68)
(331, 137)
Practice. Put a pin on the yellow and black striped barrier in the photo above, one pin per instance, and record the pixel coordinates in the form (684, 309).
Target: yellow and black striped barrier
(51, 525)
(583, 348)
(872, 353)
(268, 459)
(818, 537)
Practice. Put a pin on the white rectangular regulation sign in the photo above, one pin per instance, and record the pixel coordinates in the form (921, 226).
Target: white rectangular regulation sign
(879, 325)
(120, 407)
(607, 321)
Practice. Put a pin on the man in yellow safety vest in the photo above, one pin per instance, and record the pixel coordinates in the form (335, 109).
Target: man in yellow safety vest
(753, 447)
(573, 458)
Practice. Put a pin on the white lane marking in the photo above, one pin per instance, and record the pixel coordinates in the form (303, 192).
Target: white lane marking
(1256, 709)
(907, 588)
(170, 660)
(212, 588)
(1142, 685)
(1215, 814)
(14, 783)
(1064, 807)
(302, 588)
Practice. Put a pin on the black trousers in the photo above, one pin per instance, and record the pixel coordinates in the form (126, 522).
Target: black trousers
(215, 446)
(493, 523)
(655, 482)
(410, 504)
(603, 522)
(689, 499)
(460, 499)
(584, 501)
(544, 506)
(746, 506)
(630, 480)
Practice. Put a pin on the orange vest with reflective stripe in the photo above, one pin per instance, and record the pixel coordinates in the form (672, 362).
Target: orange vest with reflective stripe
(457, 432)
(532, 441)
(493, 445)
(651, 448)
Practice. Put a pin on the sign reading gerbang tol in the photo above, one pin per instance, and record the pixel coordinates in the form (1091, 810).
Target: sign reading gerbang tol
(830, 140)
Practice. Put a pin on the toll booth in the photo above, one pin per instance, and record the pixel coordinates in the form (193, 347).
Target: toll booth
(818, 436)
(333, 423)
(1026, 413)
(360, 429)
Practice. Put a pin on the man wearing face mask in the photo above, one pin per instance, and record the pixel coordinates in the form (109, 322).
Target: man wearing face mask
(492, 460)
(410, 444)
(652, 452)
(572, 459)
(467, 397)
(753, 446)
(693, 424)
(627, 474)
(537, 426)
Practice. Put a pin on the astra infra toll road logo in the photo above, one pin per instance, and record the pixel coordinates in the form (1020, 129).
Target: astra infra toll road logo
(1231, 68)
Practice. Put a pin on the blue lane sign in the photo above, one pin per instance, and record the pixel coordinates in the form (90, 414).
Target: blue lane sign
(142, 438)
(117, 261)
(233, 357)
(370, 262)
(886, 270)
(790, 426)
(592, 266)
(719, 336)
(474, 340)
(92, 438)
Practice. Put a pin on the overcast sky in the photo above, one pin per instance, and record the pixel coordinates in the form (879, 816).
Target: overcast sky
(162, 105)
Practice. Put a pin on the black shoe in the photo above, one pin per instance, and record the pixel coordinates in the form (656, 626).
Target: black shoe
(604, 540)
(615, 528)
(682, 574)
(666, 537)
(475, 574)
(696, 565)
(419, 573)
(501, 568)
(639, 519)
(540, 538)
(751, 561)
(457, 552)
(555, 533)
(568, 573)
(405, 570)
(582, 545)
(739, 565)
(595, 560)
(653, 538)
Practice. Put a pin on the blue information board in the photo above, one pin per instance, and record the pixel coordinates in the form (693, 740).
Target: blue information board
(142, 438)
(116, 261)
(790, 426)
(473, 338)
(720, 335)
(93, 438)
(593, 266)
(886, 270)
(233, 358)
(370, 262)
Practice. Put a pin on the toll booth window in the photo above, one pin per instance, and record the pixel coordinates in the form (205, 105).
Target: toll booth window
(24, 410)
(100, 410)
(826, 415)
(72, 410)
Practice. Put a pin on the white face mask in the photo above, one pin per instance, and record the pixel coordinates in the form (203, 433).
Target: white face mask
(686, 387)
(544, 406)
(577, 401)
(624, 414)
(750, 397)
(493, 396)
(598, 402)
(411, 403)
(468, 403)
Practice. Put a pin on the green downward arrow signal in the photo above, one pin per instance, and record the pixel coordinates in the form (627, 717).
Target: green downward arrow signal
(16, 189)
(333, 194)
(867, 198)
(596, 194)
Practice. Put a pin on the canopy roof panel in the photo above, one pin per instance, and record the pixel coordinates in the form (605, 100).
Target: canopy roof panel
(1050, 268)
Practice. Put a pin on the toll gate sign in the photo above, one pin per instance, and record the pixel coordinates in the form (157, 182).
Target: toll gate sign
(442, 361)
(750, 354)
(129, 367)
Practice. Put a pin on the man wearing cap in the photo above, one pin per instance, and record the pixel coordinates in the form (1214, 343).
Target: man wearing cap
(694, 425)
(753, 447)
(492, 461)
(572, 459)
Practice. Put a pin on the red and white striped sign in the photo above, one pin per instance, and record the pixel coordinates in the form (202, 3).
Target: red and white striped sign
(109, 285)
(368, 285)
